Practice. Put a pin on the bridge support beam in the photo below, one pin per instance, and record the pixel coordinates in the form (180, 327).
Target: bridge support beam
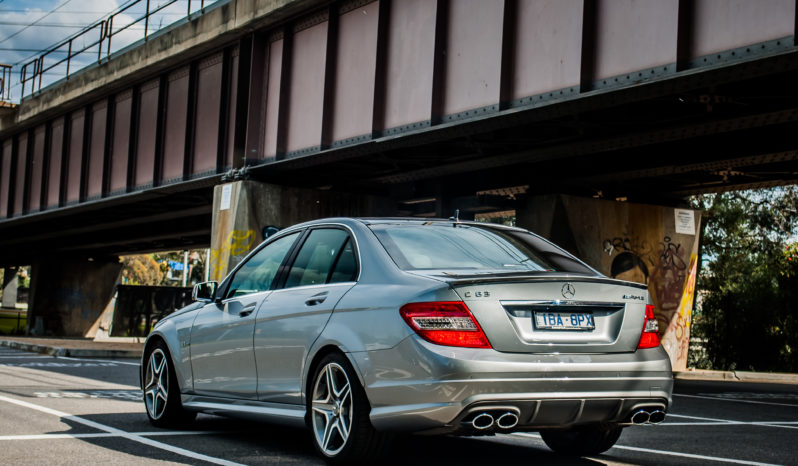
(649, 244)
(10, 287)
(243, 210)
(68, 294)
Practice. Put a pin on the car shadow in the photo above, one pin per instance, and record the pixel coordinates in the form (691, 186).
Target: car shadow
(249, 442)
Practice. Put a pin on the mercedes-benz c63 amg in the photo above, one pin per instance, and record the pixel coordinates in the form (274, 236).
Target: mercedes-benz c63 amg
(358, 328)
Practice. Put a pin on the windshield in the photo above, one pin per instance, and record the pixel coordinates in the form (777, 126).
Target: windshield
(433, 246)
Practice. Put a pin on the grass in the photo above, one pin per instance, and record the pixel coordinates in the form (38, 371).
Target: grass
(8, 322)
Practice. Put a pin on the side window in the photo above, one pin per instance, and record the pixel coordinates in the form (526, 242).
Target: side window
(259, 271)
(327, 256)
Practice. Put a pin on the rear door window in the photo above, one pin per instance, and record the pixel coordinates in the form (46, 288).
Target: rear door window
(327, 256)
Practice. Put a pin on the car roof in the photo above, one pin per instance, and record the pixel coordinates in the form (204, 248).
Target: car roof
(368, 221)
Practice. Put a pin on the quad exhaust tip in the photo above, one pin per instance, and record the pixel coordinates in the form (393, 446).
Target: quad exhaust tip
(656, 417)
(482, 421)
(648, 416)
(507, 420)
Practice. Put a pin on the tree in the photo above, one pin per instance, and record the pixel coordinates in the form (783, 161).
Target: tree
(746, 309)
(141, 270)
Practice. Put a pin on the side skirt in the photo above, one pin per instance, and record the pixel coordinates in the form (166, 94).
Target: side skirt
(279, 413)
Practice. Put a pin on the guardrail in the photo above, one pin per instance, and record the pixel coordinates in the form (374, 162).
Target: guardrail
(97, 35)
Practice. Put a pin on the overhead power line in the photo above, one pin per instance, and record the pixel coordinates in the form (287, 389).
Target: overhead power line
(34, 23)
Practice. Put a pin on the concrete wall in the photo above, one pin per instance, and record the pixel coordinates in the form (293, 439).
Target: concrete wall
(649, 244)
(242, 209)
(68, 294)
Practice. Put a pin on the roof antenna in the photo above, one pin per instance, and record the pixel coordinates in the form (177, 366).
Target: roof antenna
(456, 217)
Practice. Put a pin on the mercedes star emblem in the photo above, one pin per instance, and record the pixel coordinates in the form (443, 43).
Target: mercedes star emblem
(568, 291)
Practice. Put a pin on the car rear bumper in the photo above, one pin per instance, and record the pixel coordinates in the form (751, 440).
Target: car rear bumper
(419, 386)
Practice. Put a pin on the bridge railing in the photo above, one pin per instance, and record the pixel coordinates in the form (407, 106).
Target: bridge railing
(95, 38)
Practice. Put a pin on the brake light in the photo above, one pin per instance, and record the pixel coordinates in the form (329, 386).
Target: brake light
(448, 323)
(650, 336)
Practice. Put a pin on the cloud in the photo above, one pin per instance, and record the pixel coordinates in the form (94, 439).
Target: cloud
(20, 45)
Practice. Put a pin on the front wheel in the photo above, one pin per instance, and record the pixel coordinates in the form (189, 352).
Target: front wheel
(582, 441)
(161, 392)
(339, 414)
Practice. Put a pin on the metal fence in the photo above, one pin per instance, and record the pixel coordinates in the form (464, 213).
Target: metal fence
(138, 308)
(94, 38)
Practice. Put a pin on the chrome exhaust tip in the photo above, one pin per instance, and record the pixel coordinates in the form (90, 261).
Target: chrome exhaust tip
(482, 421)
(656, 416)
(507, 421)
(640, 417)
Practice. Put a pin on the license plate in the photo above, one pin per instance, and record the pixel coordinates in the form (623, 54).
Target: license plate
(564, 320)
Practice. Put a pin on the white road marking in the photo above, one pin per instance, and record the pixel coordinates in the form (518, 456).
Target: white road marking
(109, 434)
(769, 423)
(121, 433)
(101, 360)
(732, 422)
(24, 357)
(58, 364)
(737, 401)
(668, 453)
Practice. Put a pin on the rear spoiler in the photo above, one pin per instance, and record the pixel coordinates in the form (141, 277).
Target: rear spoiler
(456, 280)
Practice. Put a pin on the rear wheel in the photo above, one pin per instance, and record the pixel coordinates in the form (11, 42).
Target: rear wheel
(339, 414)
(582, 441)
(161, 392)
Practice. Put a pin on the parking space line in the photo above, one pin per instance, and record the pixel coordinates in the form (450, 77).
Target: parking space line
(667, 453)
(736, 400)
(164, 433)
(747, 423)
(121, 433)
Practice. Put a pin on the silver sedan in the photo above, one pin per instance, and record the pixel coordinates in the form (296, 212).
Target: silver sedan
(357, 328)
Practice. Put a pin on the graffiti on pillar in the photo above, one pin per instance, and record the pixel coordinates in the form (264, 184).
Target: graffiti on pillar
(662, 268)
(630, 262)
(677, 335)
(235, 246)
(671, 271)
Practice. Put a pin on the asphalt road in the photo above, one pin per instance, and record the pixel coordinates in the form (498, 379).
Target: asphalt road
(88, 411)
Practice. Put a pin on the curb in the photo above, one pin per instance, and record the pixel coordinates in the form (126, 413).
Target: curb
(737, 376)
(70, 352)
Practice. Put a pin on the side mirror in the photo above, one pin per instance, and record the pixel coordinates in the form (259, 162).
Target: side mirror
(205, 292)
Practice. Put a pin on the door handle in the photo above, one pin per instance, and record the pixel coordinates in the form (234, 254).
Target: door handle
(247, 310)
(316, 299)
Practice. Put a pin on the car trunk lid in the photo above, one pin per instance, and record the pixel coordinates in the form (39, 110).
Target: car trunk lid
(554, 313)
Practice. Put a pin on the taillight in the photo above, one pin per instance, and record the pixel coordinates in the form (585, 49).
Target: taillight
(447, 323)
(650, 336)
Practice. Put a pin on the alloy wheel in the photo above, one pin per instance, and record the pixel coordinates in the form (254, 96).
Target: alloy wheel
(156, 388)
(332, 407)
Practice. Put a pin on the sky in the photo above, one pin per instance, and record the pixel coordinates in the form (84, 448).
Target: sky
(30, 27)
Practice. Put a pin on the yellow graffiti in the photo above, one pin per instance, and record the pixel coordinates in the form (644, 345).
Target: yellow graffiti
(677, 336)
(238, 243)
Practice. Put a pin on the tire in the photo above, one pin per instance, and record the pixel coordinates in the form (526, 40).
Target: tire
(161, 391)
(583, 441)
(338, 414)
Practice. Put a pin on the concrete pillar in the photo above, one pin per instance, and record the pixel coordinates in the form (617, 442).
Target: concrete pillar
(649, 244)
(243, 209)
(10, 283)
(68, 294)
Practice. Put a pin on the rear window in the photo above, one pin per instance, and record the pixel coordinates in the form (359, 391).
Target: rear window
(436, 246)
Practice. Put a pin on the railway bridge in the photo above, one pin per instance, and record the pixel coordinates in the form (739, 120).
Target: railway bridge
(591, 120)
